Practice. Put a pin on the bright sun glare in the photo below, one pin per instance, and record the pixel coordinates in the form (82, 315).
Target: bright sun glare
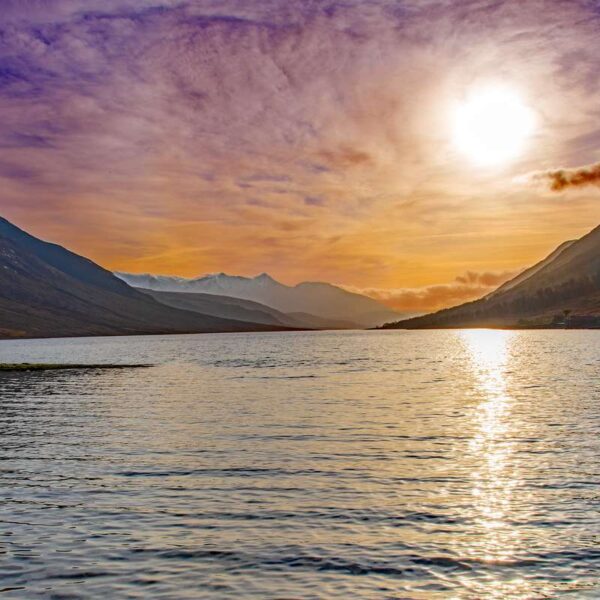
(492, 126)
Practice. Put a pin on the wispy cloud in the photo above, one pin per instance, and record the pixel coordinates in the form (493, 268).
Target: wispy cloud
(464, 288)
(245, 135)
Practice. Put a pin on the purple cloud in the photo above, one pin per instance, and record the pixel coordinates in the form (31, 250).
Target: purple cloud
(115, 111)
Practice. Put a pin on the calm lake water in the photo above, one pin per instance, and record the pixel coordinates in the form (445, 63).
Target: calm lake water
(426, 465)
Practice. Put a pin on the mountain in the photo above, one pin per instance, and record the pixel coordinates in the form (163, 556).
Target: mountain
(322, 300)
(48, 291)
(531, 271)
(222, 306)
(244, 310)
(564, 288)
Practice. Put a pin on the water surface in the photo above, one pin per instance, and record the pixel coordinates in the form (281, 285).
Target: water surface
(425, 465)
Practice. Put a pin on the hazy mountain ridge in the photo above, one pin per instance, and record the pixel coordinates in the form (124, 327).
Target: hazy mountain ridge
(568, 280)
(244, 310)
(318, 299)
(49, 291)
(222, 306)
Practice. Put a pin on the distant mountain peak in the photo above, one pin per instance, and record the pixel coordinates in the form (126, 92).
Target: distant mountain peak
(316, 298)
(264, 277)
(207, 276)
(49, 291)
(223, 275)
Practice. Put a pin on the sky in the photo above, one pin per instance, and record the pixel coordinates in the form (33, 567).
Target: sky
(313, 140)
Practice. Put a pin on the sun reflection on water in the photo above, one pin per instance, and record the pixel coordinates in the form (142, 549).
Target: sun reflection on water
(494, 479)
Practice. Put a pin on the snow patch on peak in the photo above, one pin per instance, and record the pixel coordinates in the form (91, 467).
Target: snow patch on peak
(316, 298)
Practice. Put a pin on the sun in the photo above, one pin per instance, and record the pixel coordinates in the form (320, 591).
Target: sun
(492, 126)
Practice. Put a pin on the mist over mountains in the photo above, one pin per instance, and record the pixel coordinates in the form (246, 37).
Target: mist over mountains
(311, 299)
(49, 291)
(245, 310)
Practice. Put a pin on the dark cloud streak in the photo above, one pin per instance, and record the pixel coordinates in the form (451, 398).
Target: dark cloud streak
(563, 179)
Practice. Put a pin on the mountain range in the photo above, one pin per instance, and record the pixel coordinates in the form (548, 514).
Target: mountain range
(309, 303)
(245, 310)
(49, 291)
(561, 290)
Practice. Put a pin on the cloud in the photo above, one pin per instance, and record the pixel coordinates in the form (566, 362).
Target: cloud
(346, 157)
(314, 201)
(200, 135)
(464, 288)
(486, 279)
(562, 179)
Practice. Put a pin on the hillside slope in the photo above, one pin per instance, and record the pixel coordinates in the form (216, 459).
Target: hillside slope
(244, 310)
(48, 291)
(567, 282)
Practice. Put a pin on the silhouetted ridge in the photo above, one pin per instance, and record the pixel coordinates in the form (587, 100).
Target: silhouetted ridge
(49, 291)
(561, 290)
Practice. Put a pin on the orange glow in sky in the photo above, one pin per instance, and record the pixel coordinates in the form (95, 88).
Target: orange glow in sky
(377, 149)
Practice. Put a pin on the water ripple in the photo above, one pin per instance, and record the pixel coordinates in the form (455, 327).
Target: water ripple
(393, 465)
